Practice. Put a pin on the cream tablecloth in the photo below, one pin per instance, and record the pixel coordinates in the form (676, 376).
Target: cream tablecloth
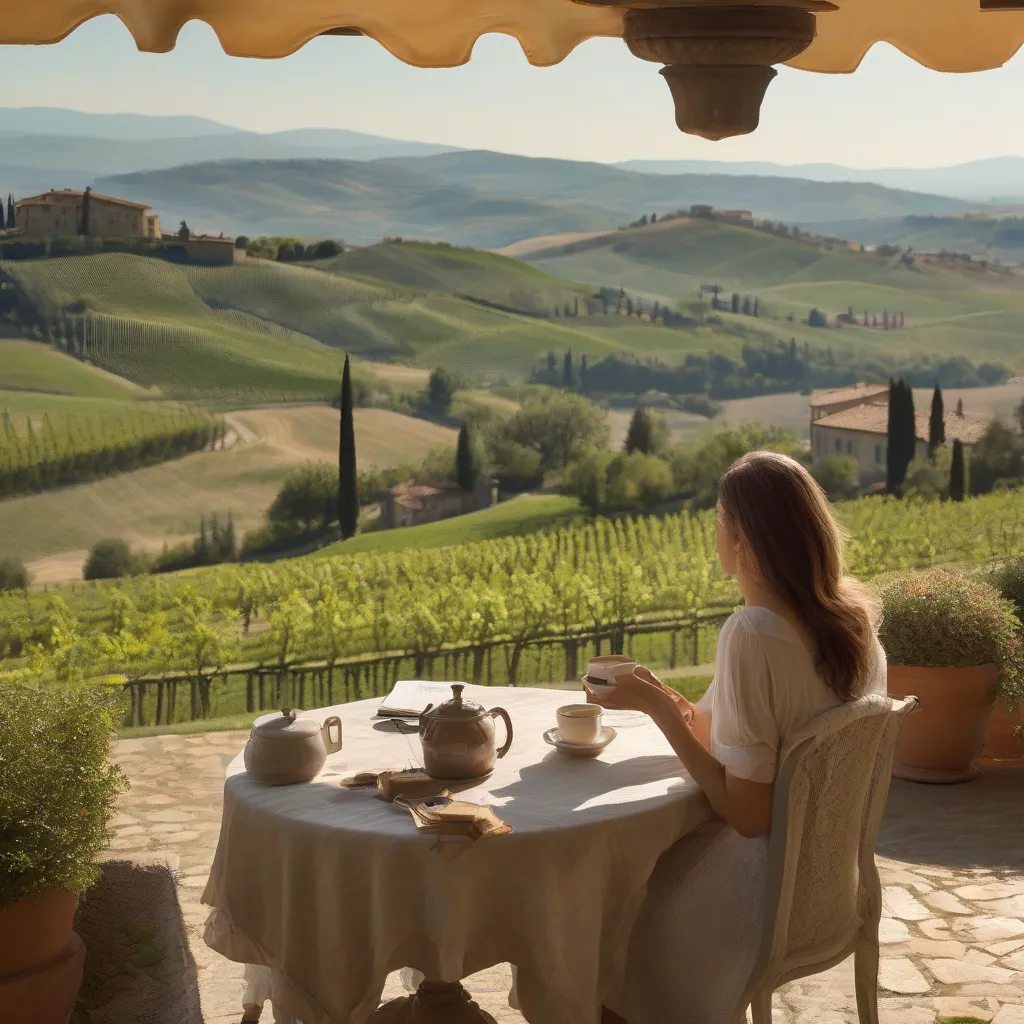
(334, 889)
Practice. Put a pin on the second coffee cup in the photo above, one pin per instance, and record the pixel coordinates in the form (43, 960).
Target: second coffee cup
(579, 723)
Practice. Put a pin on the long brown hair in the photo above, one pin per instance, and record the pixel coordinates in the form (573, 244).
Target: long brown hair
(776, 506)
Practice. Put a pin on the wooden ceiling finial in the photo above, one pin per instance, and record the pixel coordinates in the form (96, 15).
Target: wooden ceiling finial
(719, 58)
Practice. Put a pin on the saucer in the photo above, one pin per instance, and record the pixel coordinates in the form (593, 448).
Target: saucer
(607, 734)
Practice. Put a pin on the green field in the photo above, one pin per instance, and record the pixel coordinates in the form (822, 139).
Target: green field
(471, 273)
(163, 504)
(264, 332)
(948, 312)
(29, 366)
(524, 514)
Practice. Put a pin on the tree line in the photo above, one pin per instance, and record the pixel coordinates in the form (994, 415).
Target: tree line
(289, 250)
(58, 451)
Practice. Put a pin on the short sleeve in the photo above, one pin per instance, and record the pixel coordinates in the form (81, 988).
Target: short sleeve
(744, 732)
(707, 702)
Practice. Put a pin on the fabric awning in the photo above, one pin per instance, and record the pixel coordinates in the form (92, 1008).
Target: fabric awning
(719, 56)
(946, 35)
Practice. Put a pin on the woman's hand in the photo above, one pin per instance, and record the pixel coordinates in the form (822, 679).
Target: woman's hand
(642, 691)
(639, 691)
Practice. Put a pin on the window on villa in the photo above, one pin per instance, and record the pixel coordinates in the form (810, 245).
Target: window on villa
(878, 454)
(839, 447)
(849, 447)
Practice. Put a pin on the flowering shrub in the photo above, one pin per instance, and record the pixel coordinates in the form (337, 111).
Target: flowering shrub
(947, 619)
(57, 791)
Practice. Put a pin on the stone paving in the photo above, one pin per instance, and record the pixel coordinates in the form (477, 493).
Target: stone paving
(951, 860)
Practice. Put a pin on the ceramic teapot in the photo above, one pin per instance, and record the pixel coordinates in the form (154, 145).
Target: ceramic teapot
(286, 748)
(458, 738)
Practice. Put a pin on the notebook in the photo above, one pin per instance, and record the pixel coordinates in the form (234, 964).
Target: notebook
(409, 697)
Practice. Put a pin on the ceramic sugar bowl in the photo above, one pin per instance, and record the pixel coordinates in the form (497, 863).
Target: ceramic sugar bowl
(458, 738)
(289, 747)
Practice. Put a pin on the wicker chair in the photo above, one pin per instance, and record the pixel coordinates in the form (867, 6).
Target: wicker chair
(823, 896)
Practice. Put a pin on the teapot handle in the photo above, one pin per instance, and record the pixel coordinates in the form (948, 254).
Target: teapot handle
(331, 746)
(503, 714)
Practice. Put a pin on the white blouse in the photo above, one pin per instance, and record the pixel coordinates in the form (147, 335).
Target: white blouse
(765, 688)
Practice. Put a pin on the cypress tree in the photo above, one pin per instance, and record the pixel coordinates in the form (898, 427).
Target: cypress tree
(567, 374)
(957, 481)
(348, 491)
(902, 435)
(639, 436)
(583, 373)
(551, 363)
(959, 407)
(465, 470)
(10, 212)
(937, 422)
(893, 438)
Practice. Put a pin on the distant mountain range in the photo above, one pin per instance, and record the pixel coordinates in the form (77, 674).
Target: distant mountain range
(999, 179)
(482, 199)
(357, 186)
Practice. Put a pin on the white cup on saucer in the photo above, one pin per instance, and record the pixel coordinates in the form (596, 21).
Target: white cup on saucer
(579, 723)
(605, 670)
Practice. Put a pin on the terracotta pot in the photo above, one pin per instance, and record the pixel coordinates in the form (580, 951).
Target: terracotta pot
(41, 958)
(941, 739)
(1004, 745)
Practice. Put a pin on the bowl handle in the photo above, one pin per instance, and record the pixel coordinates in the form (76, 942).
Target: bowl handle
(503, 714)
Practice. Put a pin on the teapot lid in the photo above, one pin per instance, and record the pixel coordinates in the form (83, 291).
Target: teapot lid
(285, 723)
(455, 709)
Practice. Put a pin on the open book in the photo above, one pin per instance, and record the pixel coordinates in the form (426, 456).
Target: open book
(410, 696)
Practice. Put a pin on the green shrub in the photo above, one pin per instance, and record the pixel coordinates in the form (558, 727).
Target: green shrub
(947, 619)
(308, 497)
(637, 482)
(1008, 579)
(929, 478)
(13, 574)
(838, 476)
(110, 559)
(57, 790)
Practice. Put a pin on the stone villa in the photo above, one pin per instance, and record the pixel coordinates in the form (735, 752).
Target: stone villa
(411, 504)
(67, 212)
(855, 421)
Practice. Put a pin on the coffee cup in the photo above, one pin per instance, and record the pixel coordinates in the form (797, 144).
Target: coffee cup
(604, 670)
(579, 723)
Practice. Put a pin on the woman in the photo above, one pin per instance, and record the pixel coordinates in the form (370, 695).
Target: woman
(804, 643)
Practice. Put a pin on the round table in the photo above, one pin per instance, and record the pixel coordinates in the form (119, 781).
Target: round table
(333, 889)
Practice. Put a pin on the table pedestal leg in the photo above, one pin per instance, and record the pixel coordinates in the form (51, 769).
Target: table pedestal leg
(435, 1002)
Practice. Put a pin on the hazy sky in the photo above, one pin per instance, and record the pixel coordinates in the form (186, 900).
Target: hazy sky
(600, 104)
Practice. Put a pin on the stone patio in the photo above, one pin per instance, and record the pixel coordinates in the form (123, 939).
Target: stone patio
(951, 860)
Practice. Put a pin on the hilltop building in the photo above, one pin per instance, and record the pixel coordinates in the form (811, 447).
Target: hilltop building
(411, 504)
(67, 212)
(855, 421)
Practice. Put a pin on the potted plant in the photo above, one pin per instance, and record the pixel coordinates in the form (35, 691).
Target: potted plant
(57, 796)
(1004, 738)
(954, 643)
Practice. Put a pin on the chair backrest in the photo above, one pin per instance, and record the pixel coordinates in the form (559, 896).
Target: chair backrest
(827, 807)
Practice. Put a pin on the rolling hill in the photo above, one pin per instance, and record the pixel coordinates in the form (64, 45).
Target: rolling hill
(360, 202)
(482, 199)
(986, 180)
(999, 239)
(163, 504)
(963, 310)
(267, 332)
(627, 194)
(484, 277)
